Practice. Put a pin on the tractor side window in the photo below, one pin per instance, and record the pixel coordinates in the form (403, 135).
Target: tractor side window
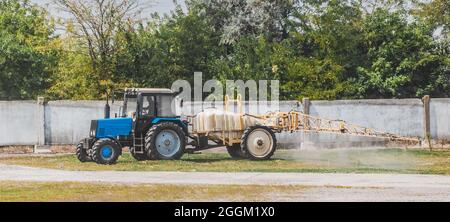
(148, 108)
(166, 106)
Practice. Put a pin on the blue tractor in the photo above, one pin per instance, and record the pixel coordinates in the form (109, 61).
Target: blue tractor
(146, 123)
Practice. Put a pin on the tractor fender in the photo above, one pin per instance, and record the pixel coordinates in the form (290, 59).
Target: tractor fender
(173, 120)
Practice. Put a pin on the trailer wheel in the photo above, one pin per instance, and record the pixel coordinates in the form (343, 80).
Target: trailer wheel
(82, 154)
(165, 141)
(236, 152)
(105, 151)
(259, 143)
(138, 156)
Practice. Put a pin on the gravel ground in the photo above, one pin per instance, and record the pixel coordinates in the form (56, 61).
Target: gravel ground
(358, 194)
(324, 187)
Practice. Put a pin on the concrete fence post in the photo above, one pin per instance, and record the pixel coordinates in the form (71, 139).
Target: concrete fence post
(306, 105)
(426, 119)
(41, 147)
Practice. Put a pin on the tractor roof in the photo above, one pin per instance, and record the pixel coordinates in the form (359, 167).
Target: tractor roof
(150, 90)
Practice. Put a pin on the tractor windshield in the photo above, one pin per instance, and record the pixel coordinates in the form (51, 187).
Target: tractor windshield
(129, 106)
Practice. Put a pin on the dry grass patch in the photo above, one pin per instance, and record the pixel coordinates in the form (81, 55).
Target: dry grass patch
(328, 161)
(74, 192)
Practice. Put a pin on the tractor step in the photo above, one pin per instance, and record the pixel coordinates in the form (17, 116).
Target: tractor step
(138, 144)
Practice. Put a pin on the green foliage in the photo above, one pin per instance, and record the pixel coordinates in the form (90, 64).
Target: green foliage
(241, 18)
(72, 77)
(319, 59)
(250, 59)
(306, 76)
(404, 59)
(170, 48)
(321, 49)
(437, 14)
(26, 51)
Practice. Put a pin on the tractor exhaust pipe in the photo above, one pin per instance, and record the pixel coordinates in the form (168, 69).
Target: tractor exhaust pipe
(107, 109)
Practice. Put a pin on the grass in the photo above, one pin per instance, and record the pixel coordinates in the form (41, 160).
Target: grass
(329, 161)
(85, 192)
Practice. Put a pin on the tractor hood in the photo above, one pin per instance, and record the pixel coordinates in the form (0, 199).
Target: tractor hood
(111, 128)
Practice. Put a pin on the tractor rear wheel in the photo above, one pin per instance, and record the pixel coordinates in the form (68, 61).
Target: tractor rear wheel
(259, 143)
(138, 156)
(82, 154)
(236, 152)
(105, 151)
(165, 141)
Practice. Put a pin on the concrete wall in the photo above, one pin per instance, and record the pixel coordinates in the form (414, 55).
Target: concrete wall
(404, 117)
(440, 118)
(18, 123)
(395, 116)
(67, 122)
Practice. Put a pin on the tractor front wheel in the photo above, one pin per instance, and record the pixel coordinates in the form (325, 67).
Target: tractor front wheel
(165, 141)
(82, 154)
(105, 151)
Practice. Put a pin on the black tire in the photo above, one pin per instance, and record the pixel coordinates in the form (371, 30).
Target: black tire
(236, 152)
(138, 156)
(81, 153)
(271, 148)
(100, 156)
(151, 147)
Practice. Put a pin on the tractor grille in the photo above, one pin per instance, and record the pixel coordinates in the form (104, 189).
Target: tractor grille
(93, 132)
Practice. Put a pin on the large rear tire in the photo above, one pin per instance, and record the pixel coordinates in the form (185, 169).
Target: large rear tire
(259, 143)
(236, 152)
(106, 151)
(165, 141)
(81, 153)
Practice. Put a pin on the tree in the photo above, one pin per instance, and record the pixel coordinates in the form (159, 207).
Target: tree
(97, 23)
(404, 60)
(437, 14)
(370, 6)
(250, 60)
(27, 55)
(169, 48)
(322, 52)
(236, 19)
(73, 74)
(322, 49)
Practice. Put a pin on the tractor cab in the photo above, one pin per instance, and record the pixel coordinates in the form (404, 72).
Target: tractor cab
(146, 122)
(147, 103)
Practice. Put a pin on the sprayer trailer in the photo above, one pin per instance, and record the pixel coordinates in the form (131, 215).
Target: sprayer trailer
(148, 125)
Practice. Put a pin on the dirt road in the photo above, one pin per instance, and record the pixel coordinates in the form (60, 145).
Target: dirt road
(324, 187)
